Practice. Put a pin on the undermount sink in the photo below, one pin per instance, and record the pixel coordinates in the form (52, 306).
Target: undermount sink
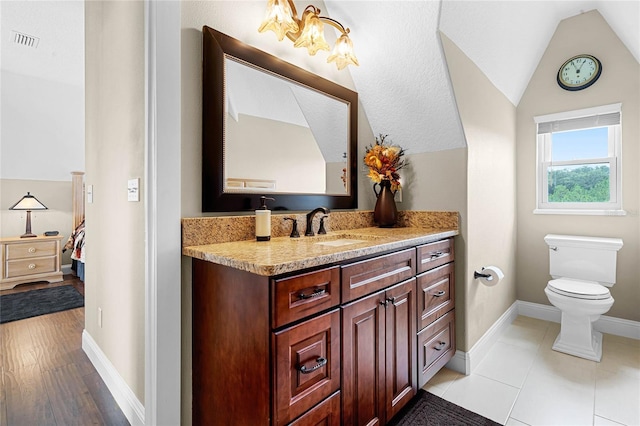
(340, 242)
(339, 239)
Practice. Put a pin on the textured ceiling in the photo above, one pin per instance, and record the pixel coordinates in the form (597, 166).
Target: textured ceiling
(402, 80)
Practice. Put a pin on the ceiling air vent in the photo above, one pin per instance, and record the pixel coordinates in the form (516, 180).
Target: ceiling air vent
(25, 39)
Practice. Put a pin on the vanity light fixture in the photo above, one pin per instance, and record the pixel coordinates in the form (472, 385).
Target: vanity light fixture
(308, 31)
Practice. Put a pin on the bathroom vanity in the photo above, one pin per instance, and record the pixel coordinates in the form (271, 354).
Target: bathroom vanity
(334, 329)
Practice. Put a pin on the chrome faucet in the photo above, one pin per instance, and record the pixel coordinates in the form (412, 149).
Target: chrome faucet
(309, 232)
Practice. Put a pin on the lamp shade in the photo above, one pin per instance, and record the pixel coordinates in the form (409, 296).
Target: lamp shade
(28, 202)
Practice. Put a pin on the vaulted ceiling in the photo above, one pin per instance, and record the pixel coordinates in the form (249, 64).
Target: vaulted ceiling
(402, 79)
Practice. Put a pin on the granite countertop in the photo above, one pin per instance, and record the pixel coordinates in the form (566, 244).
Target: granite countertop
(283, 254)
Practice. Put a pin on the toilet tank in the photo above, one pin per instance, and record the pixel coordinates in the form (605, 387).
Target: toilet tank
(583, 258)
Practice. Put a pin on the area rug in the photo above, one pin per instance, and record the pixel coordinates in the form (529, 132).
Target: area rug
(429, 409)
(17, 306)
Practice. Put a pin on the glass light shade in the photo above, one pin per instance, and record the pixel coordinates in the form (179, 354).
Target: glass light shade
(28, 202)
(279, 19)
(342, 53)
(312, 36)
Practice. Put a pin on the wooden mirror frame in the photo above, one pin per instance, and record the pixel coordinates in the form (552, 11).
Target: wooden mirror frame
(215, 46)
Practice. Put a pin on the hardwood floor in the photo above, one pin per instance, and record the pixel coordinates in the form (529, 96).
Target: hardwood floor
(46, 378)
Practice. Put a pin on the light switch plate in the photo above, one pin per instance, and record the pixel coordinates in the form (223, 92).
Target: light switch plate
(133, 189)
(90, 194)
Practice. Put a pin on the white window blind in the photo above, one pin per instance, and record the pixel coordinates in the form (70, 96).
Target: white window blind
(599, 120)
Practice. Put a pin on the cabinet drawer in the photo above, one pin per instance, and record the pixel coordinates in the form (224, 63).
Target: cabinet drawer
(436, 346)
(302, 295)
(435, 254)
(40, 265)
(367, 276)
(327, 413)
(307, 365)
(435, 294)
(31, 249)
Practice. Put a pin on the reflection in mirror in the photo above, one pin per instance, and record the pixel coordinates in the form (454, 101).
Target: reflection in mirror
(271, 127)
(264, 114)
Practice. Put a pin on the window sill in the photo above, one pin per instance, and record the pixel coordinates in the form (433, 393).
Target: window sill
(581, 212)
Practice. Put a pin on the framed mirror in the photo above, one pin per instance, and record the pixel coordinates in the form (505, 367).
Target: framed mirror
(271, 128)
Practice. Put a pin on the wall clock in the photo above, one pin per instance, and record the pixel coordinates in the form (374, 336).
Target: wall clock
(579, 72)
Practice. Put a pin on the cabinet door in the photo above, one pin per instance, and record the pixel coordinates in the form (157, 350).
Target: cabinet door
(363, 366)
(401, 374)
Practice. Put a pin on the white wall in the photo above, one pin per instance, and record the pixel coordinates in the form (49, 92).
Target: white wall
(42, 130)
(619, 82)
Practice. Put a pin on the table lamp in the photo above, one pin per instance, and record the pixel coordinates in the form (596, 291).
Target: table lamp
(28, 203)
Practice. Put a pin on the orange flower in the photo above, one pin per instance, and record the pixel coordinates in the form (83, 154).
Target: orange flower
(384, 161)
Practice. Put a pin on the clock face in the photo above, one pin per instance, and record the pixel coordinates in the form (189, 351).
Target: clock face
(579, 72)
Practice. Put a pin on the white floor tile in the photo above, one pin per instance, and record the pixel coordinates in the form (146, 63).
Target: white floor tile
(620, 357)
(514, 422)
(617, 397)
(507, 364)
(524, 333)
(599, 421)
(522, 381)
(484, 396)
(441, 381)
(554, 400)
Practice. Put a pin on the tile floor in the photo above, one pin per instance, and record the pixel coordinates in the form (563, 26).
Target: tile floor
(522, 381)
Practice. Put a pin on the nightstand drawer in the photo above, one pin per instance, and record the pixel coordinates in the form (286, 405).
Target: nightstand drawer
(30, 250)
(22, 267)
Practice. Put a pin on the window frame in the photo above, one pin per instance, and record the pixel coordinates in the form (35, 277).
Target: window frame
(613, 159)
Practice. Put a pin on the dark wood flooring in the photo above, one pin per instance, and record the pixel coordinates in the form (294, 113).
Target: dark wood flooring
(46, 378)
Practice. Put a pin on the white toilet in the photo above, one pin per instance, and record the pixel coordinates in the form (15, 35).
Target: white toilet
(583, 268)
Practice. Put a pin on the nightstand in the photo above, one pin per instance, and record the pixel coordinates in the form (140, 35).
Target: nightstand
(26, 260)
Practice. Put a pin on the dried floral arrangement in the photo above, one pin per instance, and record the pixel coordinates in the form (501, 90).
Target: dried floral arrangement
(384, 160)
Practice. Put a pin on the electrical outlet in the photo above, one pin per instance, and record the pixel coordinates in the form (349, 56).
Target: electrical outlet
(100, 317)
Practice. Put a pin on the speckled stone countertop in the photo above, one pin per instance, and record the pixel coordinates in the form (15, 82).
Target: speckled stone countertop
(230, 240)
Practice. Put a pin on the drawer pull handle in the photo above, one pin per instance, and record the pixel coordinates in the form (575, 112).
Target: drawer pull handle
(317, 292)
(436, 255)
(440, 293)
(32, 249)
(32, 266)
(321, 362)
(440, 346)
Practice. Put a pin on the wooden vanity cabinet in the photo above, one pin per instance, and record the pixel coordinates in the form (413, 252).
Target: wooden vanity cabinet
(436, 303)
(339, 345)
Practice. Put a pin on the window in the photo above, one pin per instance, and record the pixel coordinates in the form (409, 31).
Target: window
(579, 160)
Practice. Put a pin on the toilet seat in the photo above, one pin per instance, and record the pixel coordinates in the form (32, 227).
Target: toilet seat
(579, 289)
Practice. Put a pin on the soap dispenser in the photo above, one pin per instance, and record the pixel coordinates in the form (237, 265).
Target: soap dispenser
(263, 220)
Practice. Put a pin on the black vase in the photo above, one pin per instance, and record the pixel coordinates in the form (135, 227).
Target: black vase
(385, 214)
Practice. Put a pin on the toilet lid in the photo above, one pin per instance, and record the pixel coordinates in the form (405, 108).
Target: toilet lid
(579, 289)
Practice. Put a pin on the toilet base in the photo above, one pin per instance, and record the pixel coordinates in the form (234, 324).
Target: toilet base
(591, 350)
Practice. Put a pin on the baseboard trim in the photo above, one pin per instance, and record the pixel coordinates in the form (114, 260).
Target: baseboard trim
(466, 362)
(66, 269)
(130, 405)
